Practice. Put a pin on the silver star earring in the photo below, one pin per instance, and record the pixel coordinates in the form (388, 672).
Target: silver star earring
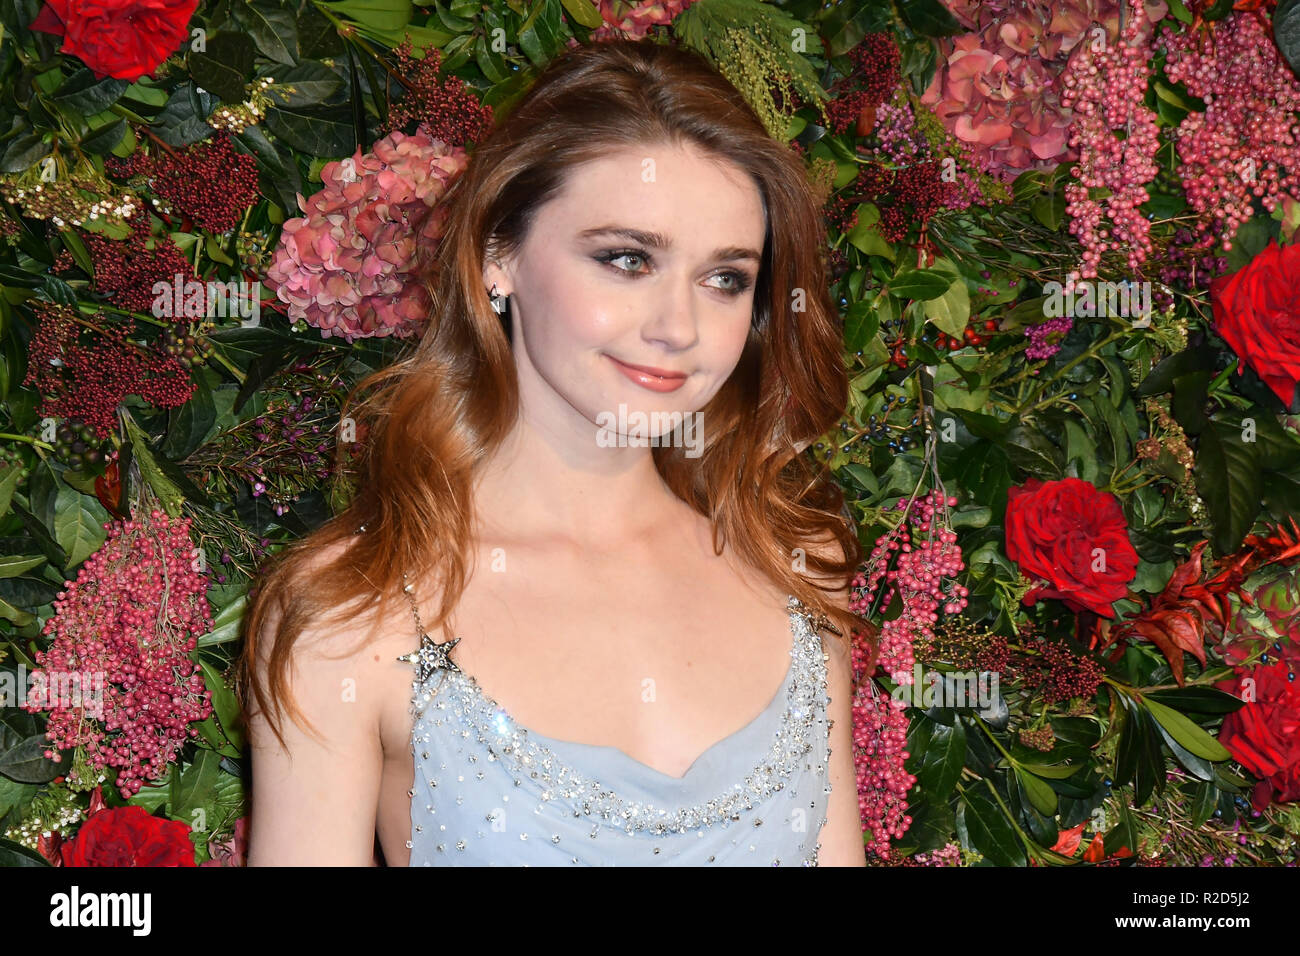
(498, 300)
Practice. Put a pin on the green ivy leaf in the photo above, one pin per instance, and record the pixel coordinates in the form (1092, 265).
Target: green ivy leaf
(1190, 735)
(930, 18)
(376, 14)
(921, 284)
(184, 120)
(1039, 793)
(195, 786)
(10, 566)
(314, 133)
(224, 66)
(24, 152)
(275, 31)
(15, 854)
(224, 703)
(846, 24)
(1228, 480)
(989, 831)
(82, 94)
(1031, 451)
(944, 759)
(78, 524)
(104, 140)
(1286, 32)
(951, 311)
(584, 13)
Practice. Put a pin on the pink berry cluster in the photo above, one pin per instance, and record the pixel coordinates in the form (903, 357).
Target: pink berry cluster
(132, 618)
(1246, 145)
(879, 752)
(926, 559)
(947, 855)
(1117, 139)
(1045, 337)
(900, 142)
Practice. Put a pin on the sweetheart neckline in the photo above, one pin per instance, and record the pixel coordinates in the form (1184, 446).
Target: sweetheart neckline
(499, 713)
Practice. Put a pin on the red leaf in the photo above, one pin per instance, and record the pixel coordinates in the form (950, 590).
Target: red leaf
(1067, 841)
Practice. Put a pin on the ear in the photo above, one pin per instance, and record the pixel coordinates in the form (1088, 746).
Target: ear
(496, 271)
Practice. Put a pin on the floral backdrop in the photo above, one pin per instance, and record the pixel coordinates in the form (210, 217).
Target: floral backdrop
(1062, 237)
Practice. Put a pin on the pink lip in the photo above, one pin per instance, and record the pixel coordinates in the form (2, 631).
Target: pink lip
(647, 376)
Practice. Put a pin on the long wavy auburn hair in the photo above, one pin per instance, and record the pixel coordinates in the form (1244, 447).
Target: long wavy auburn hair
(434, 416)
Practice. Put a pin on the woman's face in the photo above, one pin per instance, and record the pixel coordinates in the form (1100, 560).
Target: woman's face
(648, 258)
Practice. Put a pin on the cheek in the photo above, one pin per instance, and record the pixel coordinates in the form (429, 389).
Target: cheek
(728, 342)
(566, 312)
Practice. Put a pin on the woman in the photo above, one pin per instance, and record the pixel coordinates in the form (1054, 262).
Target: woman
(628, 242)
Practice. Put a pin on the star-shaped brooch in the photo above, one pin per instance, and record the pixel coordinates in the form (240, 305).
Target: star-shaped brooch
(816, 620)
(431, 656)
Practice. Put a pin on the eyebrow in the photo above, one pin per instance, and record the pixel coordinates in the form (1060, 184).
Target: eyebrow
(659, 241)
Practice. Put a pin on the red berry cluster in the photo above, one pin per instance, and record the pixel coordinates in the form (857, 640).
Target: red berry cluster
(126, 270)
(900, 356)
(874, 78)
(89, 382)
(918, 193)
(210, 183)
(875, 179)
(450, 112)
(63, 263)
(1059, 672)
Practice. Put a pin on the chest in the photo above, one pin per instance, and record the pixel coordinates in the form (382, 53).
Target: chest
(658, 660)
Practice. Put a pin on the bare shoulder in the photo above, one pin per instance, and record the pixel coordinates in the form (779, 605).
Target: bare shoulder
(323, 777)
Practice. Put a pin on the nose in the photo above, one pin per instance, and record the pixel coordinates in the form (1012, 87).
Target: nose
(673, 315)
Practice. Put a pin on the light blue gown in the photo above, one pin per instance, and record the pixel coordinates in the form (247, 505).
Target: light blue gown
(489, 792)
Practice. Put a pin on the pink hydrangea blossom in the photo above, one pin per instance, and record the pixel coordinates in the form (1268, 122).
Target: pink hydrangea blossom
(636, 19)
(349, 266)
(232, 851)
(997, 87)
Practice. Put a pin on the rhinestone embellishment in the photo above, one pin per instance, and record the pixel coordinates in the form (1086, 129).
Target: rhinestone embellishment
(784, 756)
(524, 756)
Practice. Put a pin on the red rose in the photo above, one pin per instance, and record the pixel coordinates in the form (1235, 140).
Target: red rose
(1257, 312)
(120, 38)
(129, 836)
(1264, 735)
(1074, 538)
